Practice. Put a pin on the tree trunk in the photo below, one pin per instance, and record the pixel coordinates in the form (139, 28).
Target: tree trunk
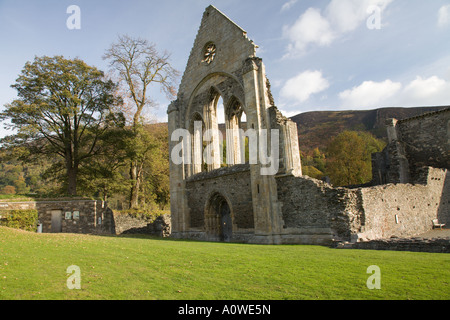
(72, 181)
(134, 196)
(71, 170)
(105, 194)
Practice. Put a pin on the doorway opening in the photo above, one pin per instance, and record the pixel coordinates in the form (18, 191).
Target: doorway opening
(219, 221)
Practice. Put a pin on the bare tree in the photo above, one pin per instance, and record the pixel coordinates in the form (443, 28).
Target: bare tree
(138, 65)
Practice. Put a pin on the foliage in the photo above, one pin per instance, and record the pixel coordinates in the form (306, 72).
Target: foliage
(149, 213)
(312, 172)
(32, 266)
(14, 197)
(156, 184)
(8, 190)
(349, 157)
(103, 175)
(24, 178)
(20, 219)
(64, 108)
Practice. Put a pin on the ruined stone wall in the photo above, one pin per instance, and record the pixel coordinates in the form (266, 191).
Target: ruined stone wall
(413, 143)
(426, 139)
(125, 223)
(319, 212)
(444, 207)
(402, 209)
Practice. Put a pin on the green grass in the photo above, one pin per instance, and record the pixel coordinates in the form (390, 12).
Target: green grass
(15, 197)
(33, 266)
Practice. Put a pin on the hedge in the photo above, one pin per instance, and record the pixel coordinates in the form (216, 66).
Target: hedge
(20, 219)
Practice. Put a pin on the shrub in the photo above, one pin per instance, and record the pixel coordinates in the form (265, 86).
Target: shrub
(20, 219)
(8, 190)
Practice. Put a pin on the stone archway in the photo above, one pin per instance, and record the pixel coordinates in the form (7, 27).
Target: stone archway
(218, 219)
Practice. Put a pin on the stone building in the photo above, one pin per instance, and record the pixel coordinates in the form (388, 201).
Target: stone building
(258, 195)
(68, 215)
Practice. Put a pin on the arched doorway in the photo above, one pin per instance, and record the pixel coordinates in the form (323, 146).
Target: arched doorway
(226, 224)
(218, 219)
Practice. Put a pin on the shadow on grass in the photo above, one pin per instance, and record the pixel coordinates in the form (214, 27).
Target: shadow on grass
(170, 239)
(154, 237)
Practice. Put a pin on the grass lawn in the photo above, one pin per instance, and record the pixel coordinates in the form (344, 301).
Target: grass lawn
(33, 266)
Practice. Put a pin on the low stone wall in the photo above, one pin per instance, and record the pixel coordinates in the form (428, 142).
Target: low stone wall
(125, 223)
(397, 244)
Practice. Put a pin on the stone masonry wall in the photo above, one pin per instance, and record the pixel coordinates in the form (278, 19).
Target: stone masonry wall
(125, 223)
(363, 213)
(403, 209)
(233, 183)
(417, 142)
(426, 139)
(310, 206)
(233, 47)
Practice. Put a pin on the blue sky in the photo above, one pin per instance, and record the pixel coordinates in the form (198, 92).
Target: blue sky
(319, 55)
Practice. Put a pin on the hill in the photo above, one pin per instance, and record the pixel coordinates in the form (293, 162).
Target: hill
(317, 127)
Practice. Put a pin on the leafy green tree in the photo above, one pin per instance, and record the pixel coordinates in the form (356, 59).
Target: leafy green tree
(349, 157)
(319, 160)
(103, 176)
(64, 108)
(312, 172)
(21, 186)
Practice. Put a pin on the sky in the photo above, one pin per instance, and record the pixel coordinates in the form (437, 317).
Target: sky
(319, 54)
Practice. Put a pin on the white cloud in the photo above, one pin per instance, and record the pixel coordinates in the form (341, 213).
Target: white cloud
(432, 91)
(302, 86)
(290, 114)
(338, 18)
(288, 5)
(444, 16)
(310, 28)
(347, 15)
(369, 94)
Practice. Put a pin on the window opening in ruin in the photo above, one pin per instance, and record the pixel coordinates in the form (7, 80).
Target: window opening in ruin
(220, 112)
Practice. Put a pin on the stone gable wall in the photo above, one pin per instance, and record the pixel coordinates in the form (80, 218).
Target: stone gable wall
(232, 45)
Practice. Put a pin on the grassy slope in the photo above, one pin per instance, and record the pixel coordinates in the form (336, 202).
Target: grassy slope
(33, 266)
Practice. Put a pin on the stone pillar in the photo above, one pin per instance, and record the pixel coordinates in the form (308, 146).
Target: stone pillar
(233, 141)
(291, 149)
(399, 163)
(197, 147)
(266, 208)
(391, 130)
(178, 200)
(212, 138)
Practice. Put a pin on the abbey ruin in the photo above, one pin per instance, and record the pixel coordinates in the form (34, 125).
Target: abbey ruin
(242, 201)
